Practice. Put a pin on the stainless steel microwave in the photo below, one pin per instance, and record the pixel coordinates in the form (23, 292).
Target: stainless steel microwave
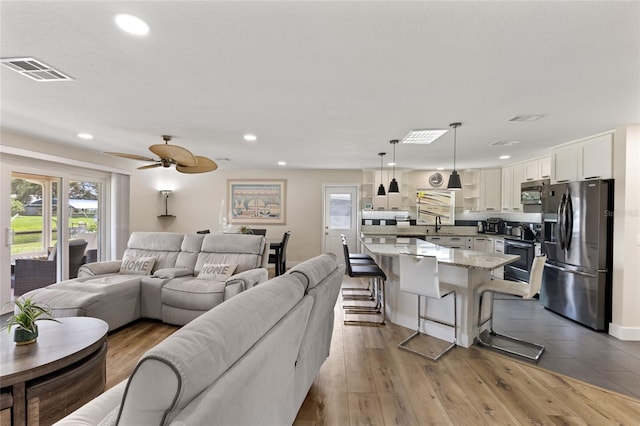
(532, 195)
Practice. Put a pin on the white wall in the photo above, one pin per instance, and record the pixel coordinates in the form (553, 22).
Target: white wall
(626, 266)
(197, 199)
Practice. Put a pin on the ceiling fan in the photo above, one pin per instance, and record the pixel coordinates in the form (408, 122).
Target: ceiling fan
(182, 158)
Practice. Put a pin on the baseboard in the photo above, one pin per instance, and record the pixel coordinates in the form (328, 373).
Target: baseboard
(624, 333)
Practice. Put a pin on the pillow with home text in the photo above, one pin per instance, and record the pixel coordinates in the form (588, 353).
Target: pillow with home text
(216, 271)
(137, 265)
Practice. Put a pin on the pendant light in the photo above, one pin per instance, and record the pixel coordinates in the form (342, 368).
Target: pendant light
(381, 191)
(454, 179)
(393, 186)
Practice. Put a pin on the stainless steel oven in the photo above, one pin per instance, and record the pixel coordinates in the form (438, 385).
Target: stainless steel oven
(521, 268)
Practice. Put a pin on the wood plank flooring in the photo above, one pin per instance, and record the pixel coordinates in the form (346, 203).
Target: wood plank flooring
(368, 381)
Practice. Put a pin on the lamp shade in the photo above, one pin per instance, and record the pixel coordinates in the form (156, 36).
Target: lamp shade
(454, 181)
(393, 186)
(381, 191)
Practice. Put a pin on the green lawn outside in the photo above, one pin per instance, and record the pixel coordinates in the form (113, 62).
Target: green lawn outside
(26, 242)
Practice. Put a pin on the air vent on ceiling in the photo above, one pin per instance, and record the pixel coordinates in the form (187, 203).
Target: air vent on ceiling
(223, 159)
(526, 117)
(34, 69)
(504, 143)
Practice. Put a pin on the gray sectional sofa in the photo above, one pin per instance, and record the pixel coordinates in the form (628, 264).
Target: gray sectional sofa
(249, 361)
(173, 289)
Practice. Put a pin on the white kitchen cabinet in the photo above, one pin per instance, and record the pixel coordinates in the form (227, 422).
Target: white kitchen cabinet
(537, 169)
(471, 190)
(483, 244)
(595, 158)
(371, 180)
(564, 163)
(490, 194)
(545, 167)
(590, 158)
(498, 247)
(465, 243)
(512, 178)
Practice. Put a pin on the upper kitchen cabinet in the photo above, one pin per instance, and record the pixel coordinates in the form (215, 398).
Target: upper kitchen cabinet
(537, 169)
(590, 158)
(512, 178)
(371, 180)
(471, 190)
(490, 194)
(595, 158)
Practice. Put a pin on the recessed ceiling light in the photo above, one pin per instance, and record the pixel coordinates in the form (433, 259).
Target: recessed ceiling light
(131, 24)
(250, 137)
(527, 118)
(282, 163)
(85, 136)
(440, 168)
(505, 157)
(424, 136)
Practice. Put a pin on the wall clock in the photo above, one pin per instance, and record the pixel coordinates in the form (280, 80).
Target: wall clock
(435, 179)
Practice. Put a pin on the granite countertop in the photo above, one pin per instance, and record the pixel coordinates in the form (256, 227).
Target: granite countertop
(391, 246)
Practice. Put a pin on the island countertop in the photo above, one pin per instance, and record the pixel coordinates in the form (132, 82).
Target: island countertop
(392, 246)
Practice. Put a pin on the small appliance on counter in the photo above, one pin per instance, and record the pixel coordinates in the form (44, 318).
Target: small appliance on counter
(495, 225)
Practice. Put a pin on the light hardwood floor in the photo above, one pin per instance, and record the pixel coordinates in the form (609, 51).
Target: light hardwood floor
(367, 381)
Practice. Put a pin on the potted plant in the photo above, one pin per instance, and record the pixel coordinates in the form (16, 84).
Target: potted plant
(25, 321)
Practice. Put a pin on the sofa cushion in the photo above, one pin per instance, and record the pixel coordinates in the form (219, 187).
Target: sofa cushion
(216, 271)
(200, 352)
(193, 294)
(137, 265)
(246, 251)
(164, 246)
(65, 302)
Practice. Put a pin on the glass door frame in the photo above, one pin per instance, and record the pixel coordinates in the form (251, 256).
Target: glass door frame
(65, 174)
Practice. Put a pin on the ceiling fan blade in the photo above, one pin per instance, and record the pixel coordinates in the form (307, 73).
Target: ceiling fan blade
(150, 166)
(130, 156)
(204, 165)
(177, 153)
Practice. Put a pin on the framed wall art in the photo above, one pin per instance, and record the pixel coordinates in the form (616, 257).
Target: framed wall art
(257, 201)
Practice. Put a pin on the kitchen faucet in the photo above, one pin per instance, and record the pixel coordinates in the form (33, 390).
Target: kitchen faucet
(438, 223)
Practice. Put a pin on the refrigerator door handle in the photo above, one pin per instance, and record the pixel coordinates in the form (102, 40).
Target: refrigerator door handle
(560, 221)
(571, 271)
(569, 224)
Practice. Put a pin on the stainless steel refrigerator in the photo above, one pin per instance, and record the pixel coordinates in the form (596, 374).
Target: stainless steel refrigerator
(578, 242)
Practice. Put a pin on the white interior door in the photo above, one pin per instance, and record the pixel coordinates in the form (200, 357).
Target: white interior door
(340, 217)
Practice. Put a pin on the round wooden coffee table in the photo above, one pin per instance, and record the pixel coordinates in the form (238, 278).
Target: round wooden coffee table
(48, 379)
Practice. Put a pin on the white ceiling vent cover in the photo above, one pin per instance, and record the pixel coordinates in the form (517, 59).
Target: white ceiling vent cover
(527, 118)
(34, 69)
(504, 143)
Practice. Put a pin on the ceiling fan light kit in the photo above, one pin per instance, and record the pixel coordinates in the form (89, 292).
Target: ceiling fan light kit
(182, 158)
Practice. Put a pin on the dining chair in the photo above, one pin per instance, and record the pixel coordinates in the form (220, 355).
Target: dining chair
(419, 276)
(279, 256)
(511, 288)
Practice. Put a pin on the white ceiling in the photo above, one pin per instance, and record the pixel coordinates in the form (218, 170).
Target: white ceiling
(324, 84)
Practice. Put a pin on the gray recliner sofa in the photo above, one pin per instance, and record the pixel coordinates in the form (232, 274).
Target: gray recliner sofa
(248, 361)
(172, 292)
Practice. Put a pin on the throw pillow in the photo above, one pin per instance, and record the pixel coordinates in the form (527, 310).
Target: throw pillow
(216, 271)
(137, 265)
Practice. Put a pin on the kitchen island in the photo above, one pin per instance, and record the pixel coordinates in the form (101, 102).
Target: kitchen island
(466, 269)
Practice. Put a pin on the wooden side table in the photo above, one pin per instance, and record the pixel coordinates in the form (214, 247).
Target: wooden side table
(46, 380)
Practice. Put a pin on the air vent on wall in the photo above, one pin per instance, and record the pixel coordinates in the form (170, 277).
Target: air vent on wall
(34, 69)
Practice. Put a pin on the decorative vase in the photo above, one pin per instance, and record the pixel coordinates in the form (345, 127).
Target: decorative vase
(24, 337)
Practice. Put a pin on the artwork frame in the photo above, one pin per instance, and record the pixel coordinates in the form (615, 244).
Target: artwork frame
(257, 201)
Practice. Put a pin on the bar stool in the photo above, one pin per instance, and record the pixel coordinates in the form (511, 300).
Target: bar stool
(511, 288)
(377, 279)
(359, 292)
(419, 275)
